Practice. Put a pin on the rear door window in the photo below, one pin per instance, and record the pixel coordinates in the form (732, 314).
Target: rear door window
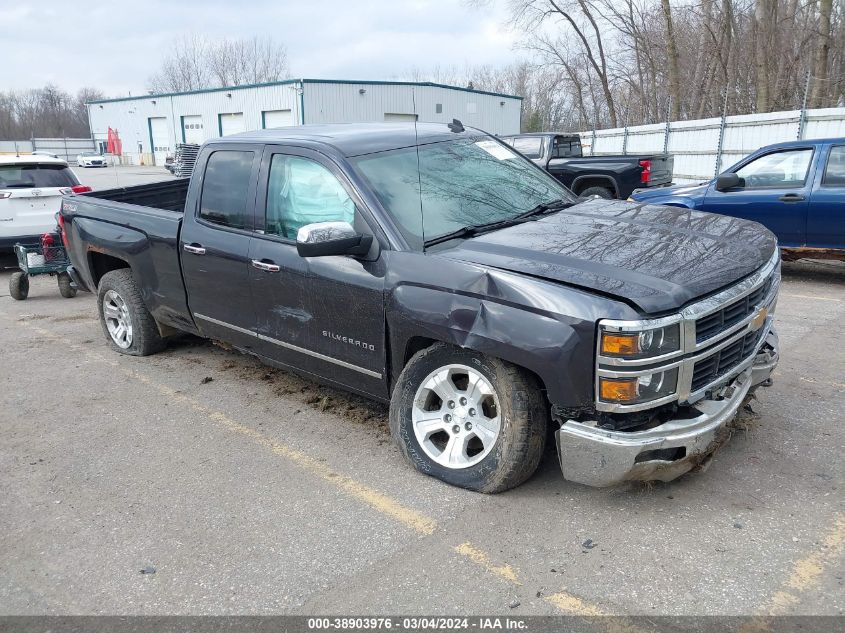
(225, 187)
(530, 146)
(834, 173)
(25, 176)
(566, 147)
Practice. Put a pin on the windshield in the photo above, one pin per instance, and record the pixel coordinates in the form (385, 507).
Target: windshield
(458, 183)
(30, 176)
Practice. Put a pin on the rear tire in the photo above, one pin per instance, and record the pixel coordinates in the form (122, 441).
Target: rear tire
(493, 413)
(65, 287)
(19, 285)
(601, 192)
(128, 326)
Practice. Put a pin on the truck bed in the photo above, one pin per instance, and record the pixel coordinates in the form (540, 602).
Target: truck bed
(169, 195)
(136, 226)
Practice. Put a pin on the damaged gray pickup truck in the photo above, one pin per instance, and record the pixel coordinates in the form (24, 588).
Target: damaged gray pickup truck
(434, 268)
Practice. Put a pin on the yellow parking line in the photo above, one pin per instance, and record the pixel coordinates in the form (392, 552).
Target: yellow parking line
(561, 600)
(791, 296)
(481, 558)
(805, 576)
(377, 500)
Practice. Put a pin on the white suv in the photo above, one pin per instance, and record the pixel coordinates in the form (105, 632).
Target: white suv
(31, 189)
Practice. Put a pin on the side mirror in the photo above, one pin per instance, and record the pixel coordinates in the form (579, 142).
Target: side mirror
(728, 181)
(331, 238)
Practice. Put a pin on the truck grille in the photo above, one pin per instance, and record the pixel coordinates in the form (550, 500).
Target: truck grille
(711, 368)
(713, 324)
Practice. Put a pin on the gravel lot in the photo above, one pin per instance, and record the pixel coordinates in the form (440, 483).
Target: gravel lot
(243, 489)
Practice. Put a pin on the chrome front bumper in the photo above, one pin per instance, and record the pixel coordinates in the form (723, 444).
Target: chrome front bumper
(600, 457)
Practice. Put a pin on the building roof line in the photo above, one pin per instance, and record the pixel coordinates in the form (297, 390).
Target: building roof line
(306, 81)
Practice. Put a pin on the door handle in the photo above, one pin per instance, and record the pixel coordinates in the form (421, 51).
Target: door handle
(196, 250)
(791, 197)
(270, 268)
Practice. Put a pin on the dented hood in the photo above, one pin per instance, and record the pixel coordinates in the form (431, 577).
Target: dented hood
(657, 258)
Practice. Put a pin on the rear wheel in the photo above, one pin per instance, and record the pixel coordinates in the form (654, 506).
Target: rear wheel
(127, 324)
(19, 285)
(601, 192)
(65, 286)
(468, 419)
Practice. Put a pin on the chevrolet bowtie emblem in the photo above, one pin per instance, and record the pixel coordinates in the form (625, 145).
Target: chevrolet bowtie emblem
(759, 318)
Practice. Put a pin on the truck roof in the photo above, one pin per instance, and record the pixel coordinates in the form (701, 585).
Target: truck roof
(805, 142)
(355, 139)
(564, 134)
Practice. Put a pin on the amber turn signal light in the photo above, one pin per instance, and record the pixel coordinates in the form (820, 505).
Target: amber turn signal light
(620, 344)
(618, 389)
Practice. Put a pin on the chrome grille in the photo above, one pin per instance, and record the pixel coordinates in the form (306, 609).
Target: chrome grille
(722, 362)
(720, 336)
(713, 324)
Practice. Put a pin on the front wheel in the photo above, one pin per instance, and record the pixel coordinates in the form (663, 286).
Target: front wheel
(470, 420)
(127, 324)
(19, 285)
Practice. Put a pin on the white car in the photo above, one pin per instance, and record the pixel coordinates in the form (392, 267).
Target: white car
(91, 159)
(31, 190)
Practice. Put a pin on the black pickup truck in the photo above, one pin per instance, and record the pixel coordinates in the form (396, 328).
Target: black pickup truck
(434, 268)
(606, 176)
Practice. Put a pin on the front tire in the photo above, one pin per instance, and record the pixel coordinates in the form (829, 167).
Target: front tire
(19, 285)
(468, 419)
(128, 326)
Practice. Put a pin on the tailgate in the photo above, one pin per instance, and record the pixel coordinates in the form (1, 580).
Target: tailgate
(27, 212)
(661, 170)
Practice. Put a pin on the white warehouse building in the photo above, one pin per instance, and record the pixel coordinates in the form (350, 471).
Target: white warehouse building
(149, 127)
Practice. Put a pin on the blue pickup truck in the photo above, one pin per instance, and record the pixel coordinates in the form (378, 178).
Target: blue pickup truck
(795, 189)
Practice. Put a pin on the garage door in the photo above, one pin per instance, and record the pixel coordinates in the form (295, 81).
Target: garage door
(192, 131)
(231, 123)
(159, 139)
(277, 118)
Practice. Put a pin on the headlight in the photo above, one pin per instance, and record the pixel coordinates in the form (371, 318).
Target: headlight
(642, 344)
(639, 389)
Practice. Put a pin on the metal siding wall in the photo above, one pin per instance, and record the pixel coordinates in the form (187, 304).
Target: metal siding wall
(15, 147)
(343, 103)
(694, 144)
(130, 117)
(324, 103)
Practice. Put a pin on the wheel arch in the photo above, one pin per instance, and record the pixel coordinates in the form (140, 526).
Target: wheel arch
(102, 263)
(581, 183)
(550, 349)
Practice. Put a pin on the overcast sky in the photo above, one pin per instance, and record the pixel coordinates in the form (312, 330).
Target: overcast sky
(115, 46)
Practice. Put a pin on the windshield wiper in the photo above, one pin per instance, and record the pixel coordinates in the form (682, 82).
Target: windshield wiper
(476, 229)
(545, 207)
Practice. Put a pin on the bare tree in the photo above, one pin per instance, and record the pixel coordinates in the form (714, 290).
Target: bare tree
(196, 63)
(820, 68)
(672, 51)
(45, 112)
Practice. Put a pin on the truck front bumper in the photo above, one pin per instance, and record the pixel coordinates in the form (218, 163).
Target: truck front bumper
(601, 457)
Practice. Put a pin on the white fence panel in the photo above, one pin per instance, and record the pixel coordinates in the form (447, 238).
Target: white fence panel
(704, 147)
